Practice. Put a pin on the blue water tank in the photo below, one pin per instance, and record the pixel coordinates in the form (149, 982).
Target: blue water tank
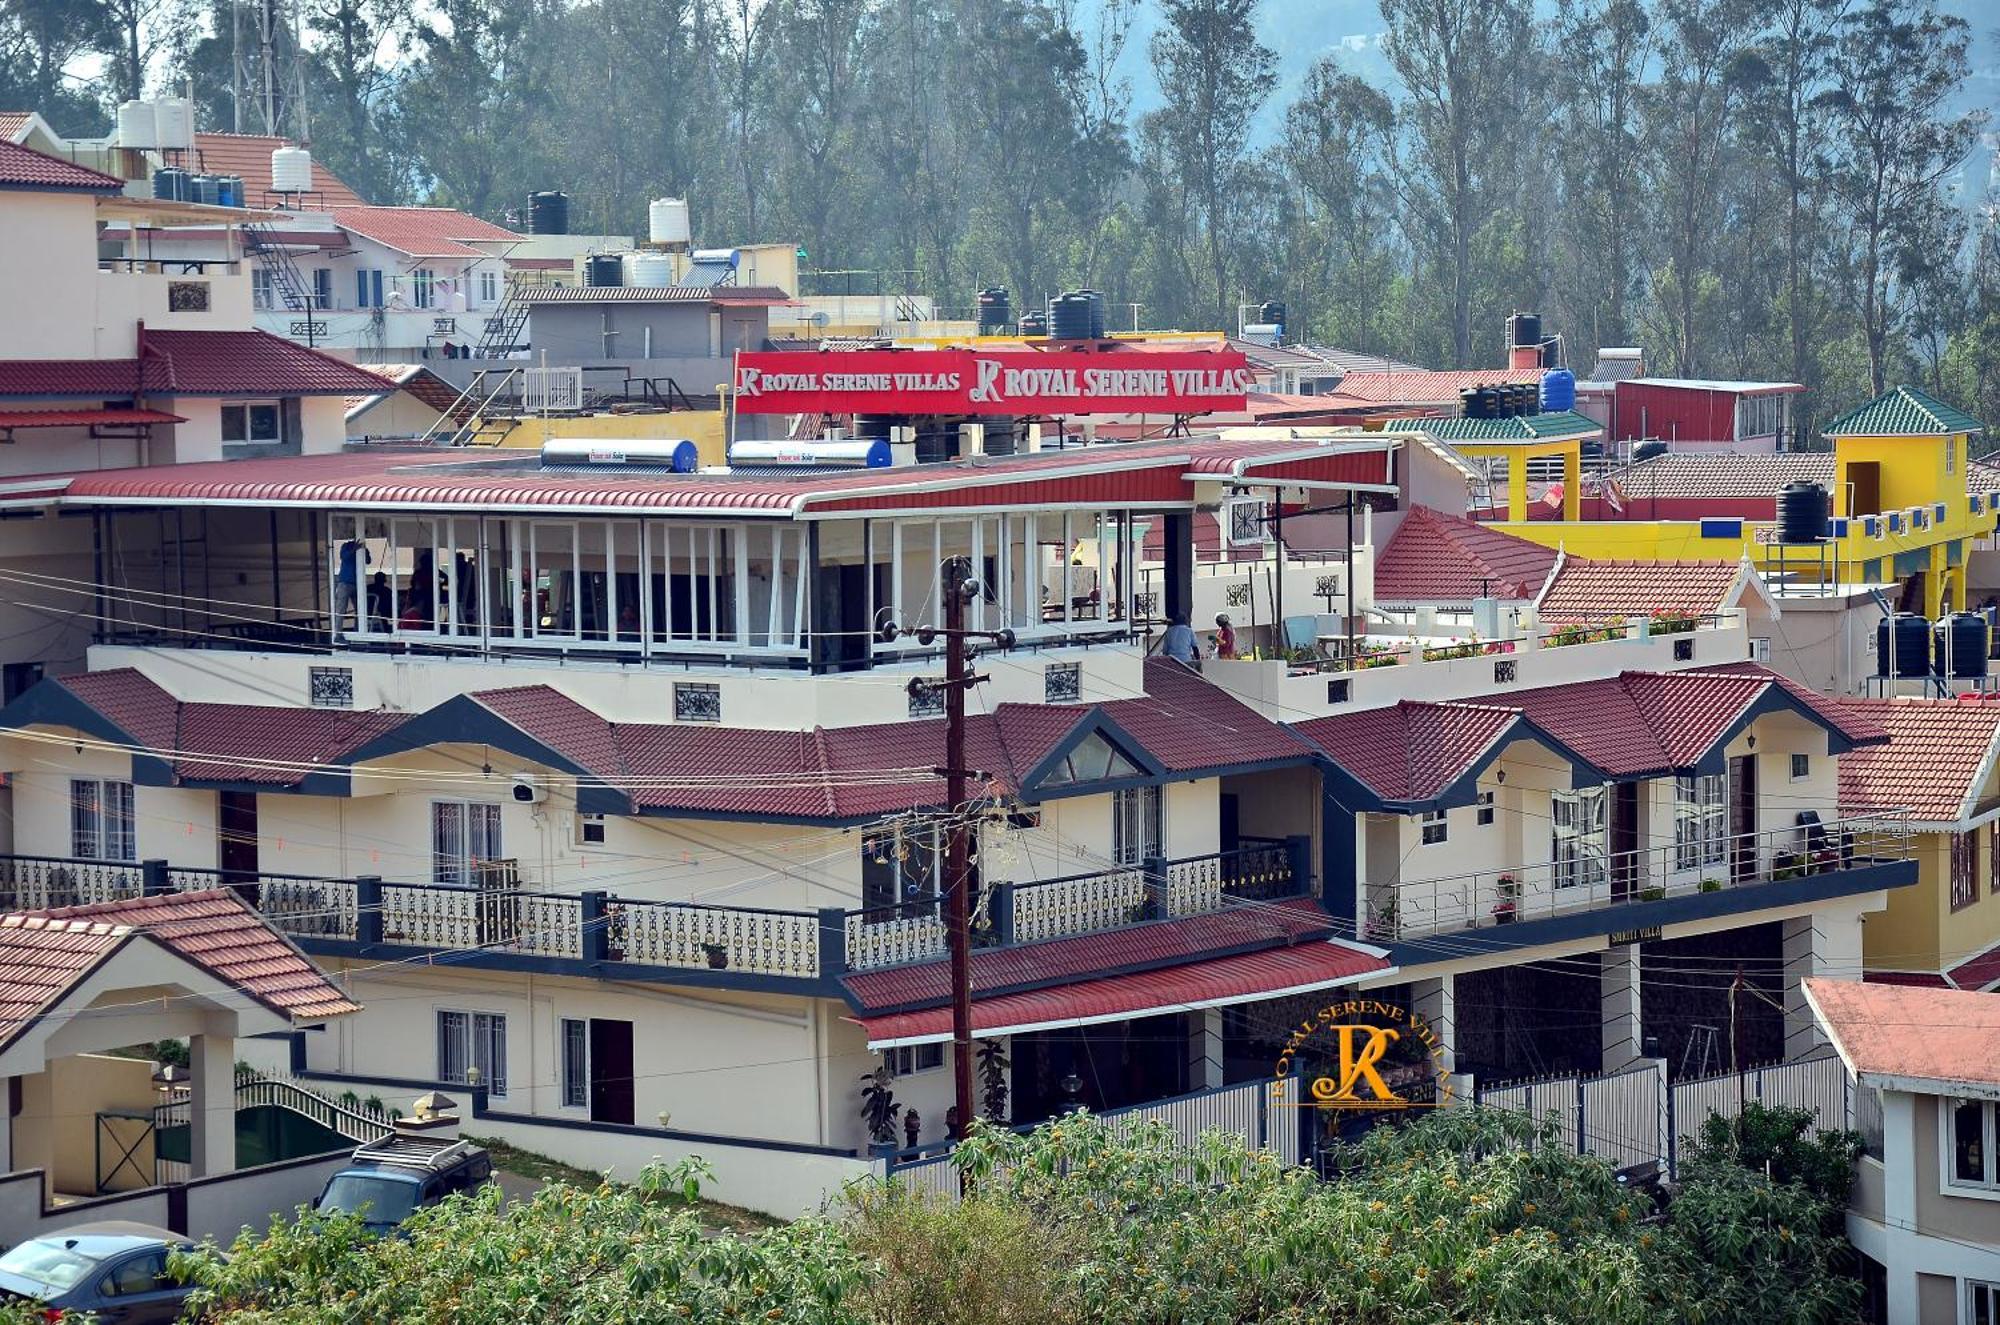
(1558, 391)
(687, 458)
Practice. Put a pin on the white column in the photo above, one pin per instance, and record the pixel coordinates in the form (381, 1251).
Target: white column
(1900, 1176)
(1618, 998)
(1204, 1048)
(212, 1105)
(1434, 1002)
(1816, 945)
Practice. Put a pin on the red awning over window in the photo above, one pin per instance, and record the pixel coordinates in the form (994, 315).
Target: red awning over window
(1216, 982)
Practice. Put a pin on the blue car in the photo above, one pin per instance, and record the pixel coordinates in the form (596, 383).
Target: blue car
(114, 1271)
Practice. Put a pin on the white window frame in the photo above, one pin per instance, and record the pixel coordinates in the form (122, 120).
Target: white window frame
(485, 1031)
(263, 292)
(1801, 767)
(575, 1082)
(1986, 1188)
(103, 819)
(909, 1060)
(1974, 1290)
(1579, 837)
(1488, 809)
(423, 288)
(322, 287)
(1433, 828)
(1138, 824)
(489, 286)
(458, 862)
(245, 407)
(1701, 820)
(586, 825)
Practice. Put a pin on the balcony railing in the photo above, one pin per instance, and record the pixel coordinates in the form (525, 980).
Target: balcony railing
(604, 932)
(1597, 878)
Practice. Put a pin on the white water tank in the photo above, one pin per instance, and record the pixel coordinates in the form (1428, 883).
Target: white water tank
(291, 170)
(654, 270)
(667, 221)
(174, 119)
(137, 125)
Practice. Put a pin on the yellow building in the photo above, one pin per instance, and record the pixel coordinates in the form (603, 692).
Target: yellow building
(1900, 505)
(1506, 450)
(1940, 769)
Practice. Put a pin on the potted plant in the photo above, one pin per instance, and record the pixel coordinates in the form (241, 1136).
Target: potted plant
(1505, 910)
(718, 955)
(913, 1128)
(1384, 923)
(878, 1106)
(1653, 894)
(1711, 885)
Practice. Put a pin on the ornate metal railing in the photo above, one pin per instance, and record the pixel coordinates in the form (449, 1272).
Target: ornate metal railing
(1079, 903)
(717, 937)
(1263, 872)
(892, 935)
(34, 883)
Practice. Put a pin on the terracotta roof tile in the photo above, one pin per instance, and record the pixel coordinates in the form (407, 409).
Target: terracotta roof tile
(1721, 474)
(25, 168)
(1429, 388)
(1409, 751)
(1945, 1036)
(40, 961)
(249, 155)
(1438, 558)
(1144, 946)
(223, 363)
(424, 232)
(1583, 589)
(1934, 765)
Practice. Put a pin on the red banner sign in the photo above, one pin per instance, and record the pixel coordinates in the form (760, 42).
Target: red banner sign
(991, 382)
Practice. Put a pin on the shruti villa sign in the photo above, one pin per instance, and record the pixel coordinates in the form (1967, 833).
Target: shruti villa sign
(996, 382)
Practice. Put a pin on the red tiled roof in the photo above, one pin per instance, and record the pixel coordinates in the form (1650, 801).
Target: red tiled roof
(264, 744)
(249, 155)
(82, 418)
(1429, 388)
(1215, 982)
(1980, 972)
(1721, 474)
(1889, 1031)
(1583, 589)
(1409, 751)
(1935, 764)
(27, 169)
(1162, 943)
(13, 121)
(45, 954)
(423, 232)
(100, 378)
(1438, 558)
(222, 363)
(1914, 979)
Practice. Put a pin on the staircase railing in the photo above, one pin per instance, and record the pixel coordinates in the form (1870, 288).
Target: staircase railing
(466, 415)
(254, 1090)
(286, 279)
(503, 329)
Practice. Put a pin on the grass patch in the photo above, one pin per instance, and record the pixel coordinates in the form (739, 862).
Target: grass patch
(528, 1164)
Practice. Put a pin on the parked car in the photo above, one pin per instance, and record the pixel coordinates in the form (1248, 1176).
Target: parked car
(115, 1271)
(391, 1179)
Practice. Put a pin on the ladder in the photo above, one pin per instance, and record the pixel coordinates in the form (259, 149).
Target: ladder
(470, 420)
(503, 329)
(287, 282)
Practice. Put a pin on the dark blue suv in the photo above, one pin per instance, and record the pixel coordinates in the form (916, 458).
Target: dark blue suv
(392, 1178)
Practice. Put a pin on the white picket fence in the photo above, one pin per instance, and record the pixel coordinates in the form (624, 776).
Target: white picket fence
(1635, 1116)
(1257, 1111)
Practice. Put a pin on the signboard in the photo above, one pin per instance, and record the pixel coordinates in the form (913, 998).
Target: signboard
(1008, 382)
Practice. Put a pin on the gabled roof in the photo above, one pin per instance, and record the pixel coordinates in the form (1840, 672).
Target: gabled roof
(46, 954)
(1411, 753)
(194, 363)
(415, 380)
(1513, 428)
(424, 232)
(1438, 558)
(249, 155)
(1936, 763)
(1424, 387)
(1904, 411)
(22, 168)
(1899, 1037)
(1586, 589)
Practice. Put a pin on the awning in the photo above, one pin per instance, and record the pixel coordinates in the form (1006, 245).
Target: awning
(10, 420)
(1216, 982)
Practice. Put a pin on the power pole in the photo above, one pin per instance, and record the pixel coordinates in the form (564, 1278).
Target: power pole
(960, 588)
(1736, 1051)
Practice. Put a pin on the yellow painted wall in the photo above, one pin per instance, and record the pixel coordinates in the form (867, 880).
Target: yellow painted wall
(1919, 931)
(706, 428)
(1913, 469)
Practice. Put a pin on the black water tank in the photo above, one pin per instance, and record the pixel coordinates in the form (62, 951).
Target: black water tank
(1649, 449)
(605, 269)
(1802, 511)
(876, 425)
(1000, 439)
(1096, 298)
(937, 442)
(1524, 398)
(1903, 645)
(1034, 323)
(170, 184)
(1960, 641)
(1069, 316)
(1527, 328)
(548, 214)
(994, 311)
(1468, 402)
(1271, 311)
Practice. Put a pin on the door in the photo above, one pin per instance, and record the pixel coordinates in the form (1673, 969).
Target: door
(610, 1071)
(1864, 487)
(1232, 823)
(236, 848)
(1625, 862)
(1742, 818)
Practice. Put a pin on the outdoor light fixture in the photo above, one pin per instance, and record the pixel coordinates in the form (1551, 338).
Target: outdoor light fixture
(435, 1105)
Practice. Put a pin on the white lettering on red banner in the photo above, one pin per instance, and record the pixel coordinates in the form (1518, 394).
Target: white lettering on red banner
(997, 382)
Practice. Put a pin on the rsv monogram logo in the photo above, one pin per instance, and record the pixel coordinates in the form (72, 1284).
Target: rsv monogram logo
(1366, 1055)
(1358, 1067)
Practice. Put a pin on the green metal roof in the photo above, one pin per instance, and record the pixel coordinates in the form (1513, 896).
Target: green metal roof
(1903, 412)
(1514, 428)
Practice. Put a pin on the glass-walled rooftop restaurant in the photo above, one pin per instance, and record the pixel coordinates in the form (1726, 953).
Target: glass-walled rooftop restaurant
(777, 593)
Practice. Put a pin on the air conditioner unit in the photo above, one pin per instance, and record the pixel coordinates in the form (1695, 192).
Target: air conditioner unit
(528, 789)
